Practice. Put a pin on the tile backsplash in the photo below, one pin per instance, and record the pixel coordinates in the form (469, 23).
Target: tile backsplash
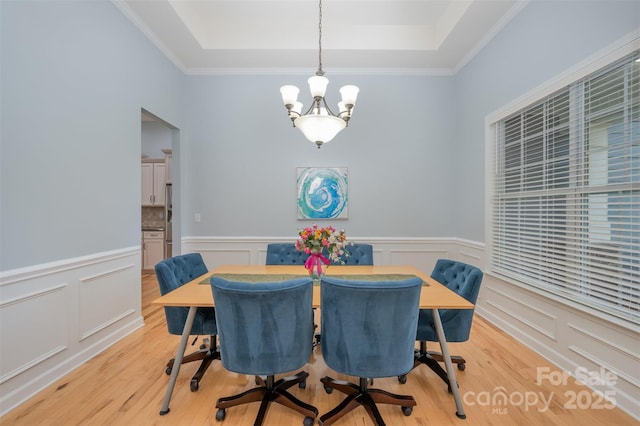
(153, 217)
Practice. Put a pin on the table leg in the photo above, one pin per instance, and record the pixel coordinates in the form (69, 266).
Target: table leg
(451, 373)
(175, 369)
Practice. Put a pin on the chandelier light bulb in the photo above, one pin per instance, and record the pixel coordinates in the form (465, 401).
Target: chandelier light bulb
(349, 94)
(297, 108)
(289, 94)
(318, 85)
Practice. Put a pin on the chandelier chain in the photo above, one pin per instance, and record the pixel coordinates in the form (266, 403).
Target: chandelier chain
(320, 72)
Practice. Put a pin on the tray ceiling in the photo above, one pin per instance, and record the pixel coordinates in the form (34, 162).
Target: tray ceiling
(237, 36)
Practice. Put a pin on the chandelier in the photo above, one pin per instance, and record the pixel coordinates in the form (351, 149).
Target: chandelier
(319, 124)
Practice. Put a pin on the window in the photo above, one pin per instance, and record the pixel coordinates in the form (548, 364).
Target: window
(565, 196)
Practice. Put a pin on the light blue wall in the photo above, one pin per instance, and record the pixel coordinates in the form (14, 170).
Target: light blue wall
(74, 76)
(544, 40)
(414, 149)
(241, 155)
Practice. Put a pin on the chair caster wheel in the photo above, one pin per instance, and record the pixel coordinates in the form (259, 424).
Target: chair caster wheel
(308, 421)
(302, 385)
(370, 382)
(328, 389)
(194, 386)
(462, 366)
(257, 381)
(407, 411)
(402, 379)
(220, 414)
(168, 371)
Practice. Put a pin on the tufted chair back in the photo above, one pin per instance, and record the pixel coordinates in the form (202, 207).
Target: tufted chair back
(359, 254)
(266, 328)
(463, 279)
(173, 273)
(284, 254)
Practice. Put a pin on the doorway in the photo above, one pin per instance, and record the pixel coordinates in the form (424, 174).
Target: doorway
(160, 190)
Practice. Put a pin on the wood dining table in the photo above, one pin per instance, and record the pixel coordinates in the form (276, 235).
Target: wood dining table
(197, 293)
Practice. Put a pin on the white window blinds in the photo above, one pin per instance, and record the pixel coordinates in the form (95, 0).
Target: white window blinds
(565, 207)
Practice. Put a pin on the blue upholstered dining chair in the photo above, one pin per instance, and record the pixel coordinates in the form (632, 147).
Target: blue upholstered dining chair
(359, 254)
(286, 254)
(369, 330)
(465, 280)
(265, 329)
(171, 274)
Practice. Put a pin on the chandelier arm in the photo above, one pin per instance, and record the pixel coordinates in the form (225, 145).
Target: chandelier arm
(315, 105)
(309, 110)
(324, 101)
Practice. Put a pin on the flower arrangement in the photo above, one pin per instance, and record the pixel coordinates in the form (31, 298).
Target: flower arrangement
(314, 239)
(317, 242)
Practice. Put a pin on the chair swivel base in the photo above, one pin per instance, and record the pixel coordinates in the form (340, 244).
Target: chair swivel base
(206, 355)
(433, 360)
(271, 391)
(455, 359)
(361, 394)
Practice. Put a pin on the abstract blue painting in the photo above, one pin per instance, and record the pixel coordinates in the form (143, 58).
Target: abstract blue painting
(322, 192)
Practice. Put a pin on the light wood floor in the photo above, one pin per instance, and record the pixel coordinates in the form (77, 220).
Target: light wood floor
(125, 385)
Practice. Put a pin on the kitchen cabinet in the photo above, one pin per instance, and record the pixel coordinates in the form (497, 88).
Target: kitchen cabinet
(152, 248)
(153, 184)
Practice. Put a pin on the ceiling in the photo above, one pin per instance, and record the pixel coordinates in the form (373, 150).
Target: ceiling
(281, 36)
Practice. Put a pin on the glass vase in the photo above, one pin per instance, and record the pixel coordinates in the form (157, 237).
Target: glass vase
(316, 265)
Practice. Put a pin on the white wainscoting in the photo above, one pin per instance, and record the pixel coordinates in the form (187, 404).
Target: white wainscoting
(574, 340)
(57, 316)
(420, 252)
(569, 338)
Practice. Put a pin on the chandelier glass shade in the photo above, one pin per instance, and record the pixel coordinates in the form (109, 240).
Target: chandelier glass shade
(318, 123)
